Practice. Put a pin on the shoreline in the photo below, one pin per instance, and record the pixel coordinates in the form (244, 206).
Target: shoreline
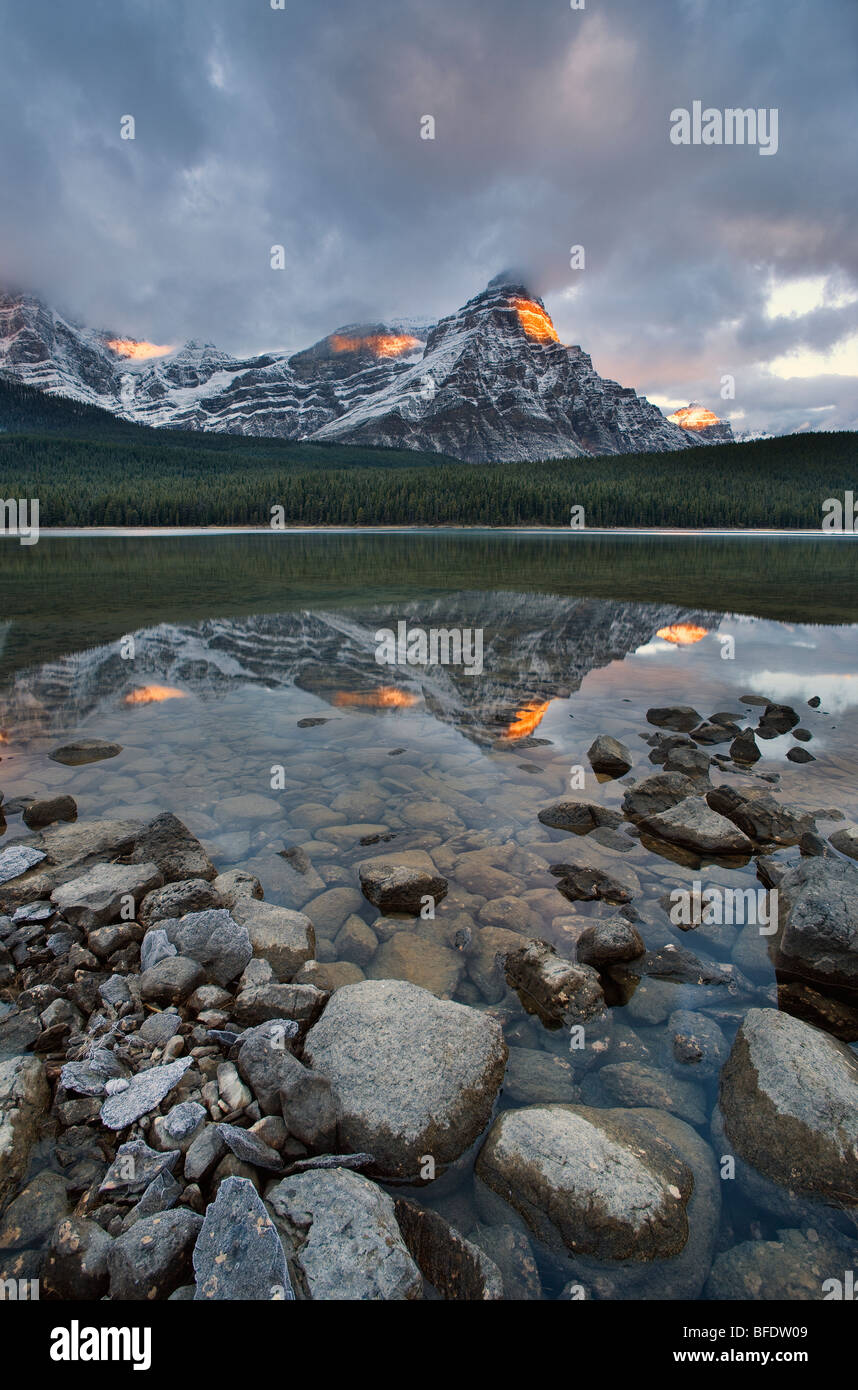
(73, 532)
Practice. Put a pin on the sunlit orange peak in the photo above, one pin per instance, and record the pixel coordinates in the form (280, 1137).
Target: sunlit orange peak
(380, 344)
(535, 321)
(4, 737)
(386, 697)
(130, 347)
(682, 634)
(527, 719)
(694, 417)
(153, 695)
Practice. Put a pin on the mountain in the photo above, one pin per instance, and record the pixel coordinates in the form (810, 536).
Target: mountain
(703, 423)
(490, 383)
(331, 653)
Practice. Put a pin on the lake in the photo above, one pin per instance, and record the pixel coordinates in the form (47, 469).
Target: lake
(239, 674)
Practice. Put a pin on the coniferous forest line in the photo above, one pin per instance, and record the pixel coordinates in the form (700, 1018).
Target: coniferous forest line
(89, 469)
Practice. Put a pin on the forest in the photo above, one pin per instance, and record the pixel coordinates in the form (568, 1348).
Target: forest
(88, 468)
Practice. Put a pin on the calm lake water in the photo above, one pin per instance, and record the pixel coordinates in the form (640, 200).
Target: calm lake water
(242, 637)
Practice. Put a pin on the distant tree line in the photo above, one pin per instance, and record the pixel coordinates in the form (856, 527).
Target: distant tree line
(89, 469)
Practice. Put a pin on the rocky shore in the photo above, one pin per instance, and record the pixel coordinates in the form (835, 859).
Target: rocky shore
(412, 1088)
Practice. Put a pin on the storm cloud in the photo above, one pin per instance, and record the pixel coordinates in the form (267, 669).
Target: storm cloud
(301, 127)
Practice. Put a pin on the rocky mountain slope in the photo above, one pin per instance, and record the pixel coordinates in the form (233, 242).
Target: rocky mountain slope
(489, 383)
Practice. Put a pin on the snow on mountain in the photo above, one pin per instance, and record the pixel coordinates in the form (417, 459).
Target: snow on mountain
(490, 383)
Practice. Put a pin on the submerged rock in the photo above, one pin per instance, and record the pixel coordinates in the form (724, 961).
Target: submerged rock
(791, 1267)
(818, 909)
(579, 817)
(589, 1182)
(560, 991)
(85, 750)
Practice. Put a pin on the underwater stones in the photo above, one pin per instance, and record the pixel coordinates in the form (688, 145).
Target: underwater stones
(395, 887)
(559, 991)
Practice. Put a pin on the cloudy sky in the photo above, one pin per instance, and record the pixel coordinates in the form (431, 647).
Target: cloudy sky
(301, 126)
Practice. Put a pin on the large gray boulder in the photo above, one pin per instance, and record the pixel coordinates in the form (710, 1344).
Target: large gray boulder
(609, 1208)
(657, 793)
(341, 1233)
(24, 1099)
(818, 909)
(97, 897)
(789, 1106)
(692, 824)
(277, 934)
(589, 1182)
(412, 1075)
(212, 938)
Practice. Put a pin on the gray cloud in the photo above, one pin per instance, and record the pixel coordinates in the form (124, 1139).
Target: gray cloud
(301, 127)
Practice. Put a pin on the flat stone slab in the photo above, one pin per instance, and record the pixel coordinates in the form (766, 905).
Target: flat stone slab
(145, 1091)
(250, 1149)
(136, 1166)
(344, 1237)
(17, 859)
(97, 897)
(239, 1255)
(84, 750)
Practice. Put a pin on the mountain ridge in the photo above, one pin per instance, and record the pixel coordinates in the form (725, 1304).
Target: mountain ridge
(489, 383)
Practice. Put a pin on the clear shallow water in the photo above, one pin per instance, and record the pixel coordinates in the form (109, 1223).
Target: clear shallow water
(257, 633)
